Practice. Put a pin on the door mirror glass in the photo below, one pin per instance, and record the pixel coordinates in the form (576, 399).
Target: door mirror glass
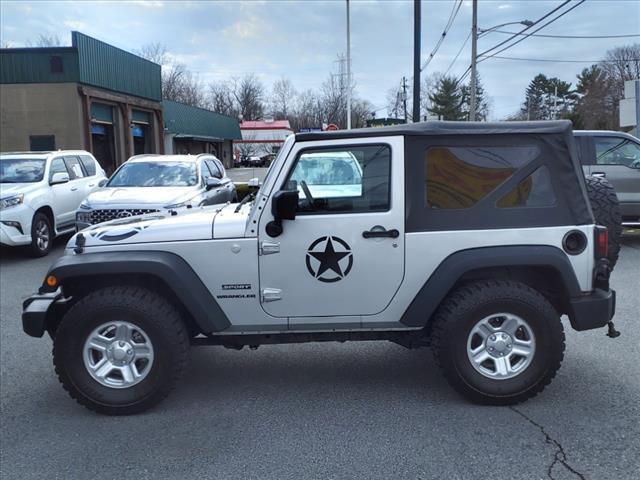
(59, 177)
(213, 182)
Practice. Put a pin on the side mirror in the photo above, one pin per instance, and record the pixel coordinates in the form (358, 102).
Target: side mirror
(283, 207)
(253, 182)
(103, 182)
(59, 177)
(213, 182)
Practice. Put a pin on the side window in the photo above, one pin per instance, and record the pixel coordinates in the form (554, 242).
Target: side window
(57, 166)
(74, 168)
(353, 179)
(89, 165)
(220, 167)
(617, 151)
(204, 169)
(459, 177)
(215, 171)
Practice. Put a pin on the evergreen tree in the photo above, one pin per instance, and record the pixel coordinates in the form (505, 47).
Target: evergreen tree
(448, 100)
(482, 102)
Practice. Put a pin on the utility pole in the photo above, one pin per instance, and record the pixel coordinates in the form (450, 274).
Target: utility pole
(474, 54)
(404, 97)
(416, 60)
(348, 69)
(555, 102)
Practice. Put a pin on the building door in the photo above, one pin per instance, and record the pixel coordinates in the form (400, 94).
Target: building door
(104, 146)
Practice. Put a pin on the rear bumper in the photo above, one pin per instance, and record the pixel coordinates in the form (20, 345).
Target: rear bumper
(35, 310)
(593, 310)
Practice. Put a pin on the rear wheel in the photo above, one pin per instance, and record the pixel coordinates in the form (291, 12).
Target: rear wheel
(120, 350)
(41, 235)
(606, 211)
(497, 342)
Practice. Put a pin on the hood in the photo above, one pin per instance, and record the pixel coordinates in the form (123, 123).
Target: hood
(11, 189)
(184, 225)
(140, 196)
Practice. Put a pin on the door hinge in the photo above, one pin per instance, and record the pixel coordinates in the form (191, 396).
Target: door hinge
(270, 294)
(268, 248)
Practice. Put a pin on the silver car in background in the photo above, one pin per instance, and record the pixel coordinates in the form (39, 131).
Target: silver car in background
(154, 183)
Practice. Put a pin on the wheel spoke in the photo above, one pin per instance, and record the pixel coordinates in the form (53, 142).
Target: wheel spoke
(510, 326)
(105, 367)
(521, 348)
(128, 374)
(141, 351)
(122, 332)
(484, 330)
(503, 367)
(99, 343)
(480, 355)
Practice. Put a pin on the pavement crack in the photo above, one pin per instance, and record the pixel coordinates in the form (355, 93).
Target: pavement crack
(560, 456)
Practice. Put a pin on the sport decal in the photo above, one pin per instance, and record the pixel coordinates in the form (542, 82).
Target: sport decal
(329, 259)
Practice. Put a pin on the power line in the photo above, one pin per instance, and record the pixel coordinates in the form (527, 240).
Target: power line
(560, 61)
(569, 36)
(537, 30)
(457, 54)
(447, 27)
(525, 28)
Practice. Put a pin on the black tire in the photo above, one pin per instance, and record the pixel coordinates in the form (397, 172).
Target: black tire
(468, 305)
(145, 309)
(41, 224)
(606, 211)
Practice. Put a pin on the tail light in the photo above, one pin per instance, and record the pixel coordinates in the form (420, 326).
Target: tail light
(601, 242)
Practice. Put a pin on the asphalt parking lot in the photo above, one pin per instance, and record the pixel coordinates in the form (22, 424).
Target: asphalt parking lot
(326, 411)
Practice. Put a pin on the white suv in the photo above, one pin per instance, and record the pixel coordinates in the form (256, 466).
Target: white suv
(40, 192)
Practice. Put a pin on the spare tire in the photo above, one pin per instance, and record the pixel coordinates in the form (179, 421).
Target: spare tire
(606, 211)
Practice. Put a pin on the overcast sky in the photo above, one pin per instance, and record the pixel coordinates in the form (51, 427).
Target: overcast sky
(300, 40)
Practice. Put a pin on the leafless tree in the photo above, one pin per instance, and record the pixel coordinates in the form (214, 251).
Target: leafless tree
(154, 52)
(221, 99)
(247, 148)
(248, 92)
(621, 64)
(306, 111)
(282, 98)
(46, 40)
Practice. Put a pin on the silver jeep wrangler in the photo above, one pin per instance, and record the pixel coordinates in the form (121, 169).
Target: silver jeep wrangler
(471, 238)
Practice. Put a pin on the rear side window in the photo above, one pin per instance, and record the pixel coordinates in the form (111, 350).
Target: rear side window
(534, 191)
(74, 168)
(89, 165)
(460, 177)
(347, 180)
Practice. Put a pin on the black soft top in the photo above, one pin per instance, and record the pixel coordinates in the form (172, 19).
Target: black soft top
(445, 128)
(556, 146)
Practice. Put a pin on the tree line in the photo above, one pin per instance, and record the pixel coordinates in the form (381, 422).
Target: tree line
(592, 104)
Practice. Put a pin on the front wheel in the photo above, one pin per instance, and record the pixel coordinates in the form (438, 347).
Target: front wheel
(120, 350)
(498, 342)
(41, 235)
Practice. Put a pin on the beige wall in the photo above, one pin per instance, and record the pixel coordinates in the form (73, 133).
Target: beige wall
(40, 109)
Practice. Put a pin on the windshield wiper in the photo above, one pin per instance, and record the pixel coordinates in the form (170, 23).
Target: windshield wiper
(249, 197)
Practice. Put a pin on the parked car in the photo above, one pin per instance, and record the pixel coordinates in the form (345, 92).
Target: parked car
(471, 238)
(153, 183)
(40, 192)
(616, 157)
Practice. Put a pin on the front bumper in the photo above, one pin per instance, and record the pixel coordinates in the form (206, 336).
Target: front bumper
(592, 311)
(36, 309)
(12, 235)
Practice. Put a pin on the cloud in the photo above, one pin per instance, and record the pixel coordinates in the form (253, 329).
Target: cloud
(148, 3)
(75, 25)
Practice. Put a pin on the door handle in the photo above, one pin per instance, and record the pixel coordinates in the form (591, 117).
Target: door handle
(92, 184)
(380, 232)
(599, 174)
(73, 189)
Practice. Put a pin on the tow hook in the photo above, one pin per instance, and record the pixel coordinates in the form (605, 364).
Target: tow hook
(611, 330)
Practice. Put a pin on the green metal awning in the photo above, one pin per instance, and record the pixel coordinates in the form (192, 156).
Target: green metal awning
(198, 138)
(193, 122)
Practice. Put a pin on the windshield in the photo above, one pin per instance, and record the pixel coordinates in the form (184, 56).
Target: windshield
(155, 174)
(21, 170)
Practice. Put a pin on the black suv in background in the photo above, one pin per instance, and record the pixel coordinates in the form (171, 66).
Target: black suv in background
(616, 157)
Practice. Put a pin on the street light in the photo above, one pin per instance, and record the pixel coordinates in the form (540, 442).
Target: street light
(474, 53)
(482, 31)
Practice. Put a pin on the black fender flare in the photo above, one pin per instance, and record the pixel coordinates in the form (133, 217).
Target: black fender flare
(452, 268)
(172, 269)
